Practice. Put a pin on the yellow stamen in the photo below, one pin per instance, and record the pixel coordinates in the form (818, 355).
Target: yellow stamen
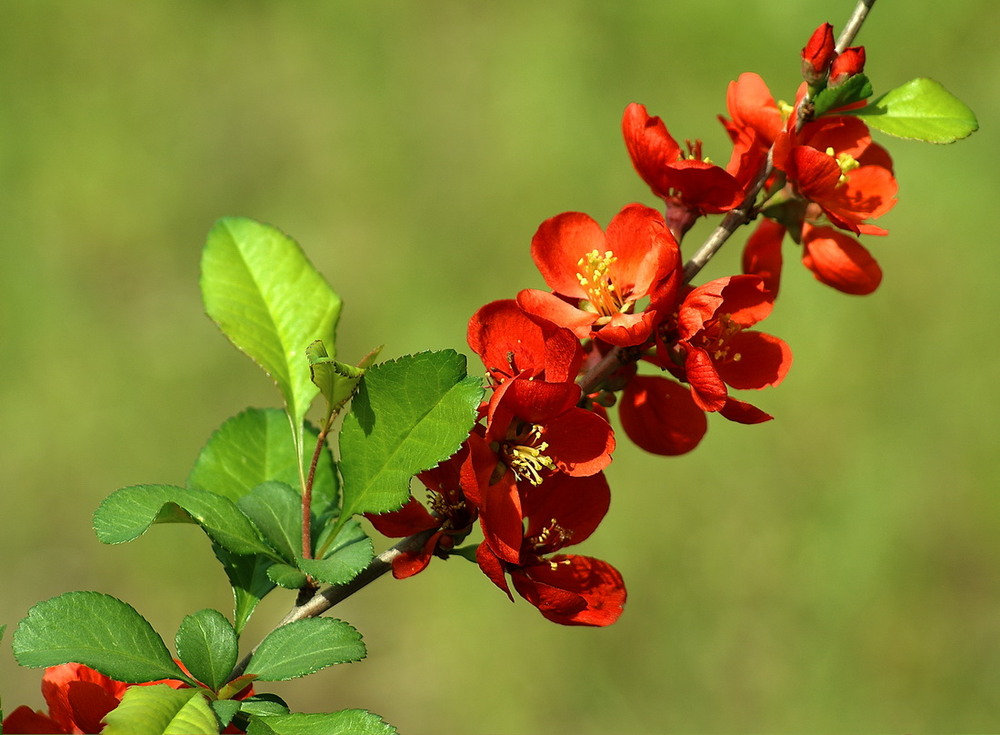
(595, 277)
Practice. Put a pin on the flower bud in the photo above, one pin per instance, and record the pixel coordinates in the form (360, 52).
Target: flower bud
(818, 54)
(847, 64)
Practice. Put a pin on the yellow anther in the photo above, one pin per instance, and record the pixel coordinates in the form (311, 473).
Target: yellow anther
(595, 277)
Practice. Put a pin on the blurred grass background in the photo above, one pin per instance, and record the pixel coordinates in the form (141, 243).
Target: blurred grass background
(836, 570)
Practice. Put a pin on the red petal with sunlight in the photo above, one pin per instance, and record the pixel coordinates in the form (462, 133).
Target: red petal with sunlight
(492, 567)
(660, 416)
(556, 310)
(756, 360)
(707, 388)
(751, 105)
(558, 245)
(580, 442)
(576, 504)
(840, 261)
(743, 413)
(573, 590)
(762, 254)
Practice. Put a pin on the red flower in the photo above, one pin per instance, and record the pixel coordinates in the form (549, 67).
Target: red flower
(599, 279)
(719, 350)
(848, 63)
(514, 344)
(451, 515)
(690, 185)
(566, 588)
(834, 163)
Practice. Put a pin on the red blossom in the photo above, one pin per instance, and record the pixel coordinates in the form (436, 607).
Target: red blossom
(686, 182)
(719, 349)
(839, 260)
(659, 415)
(599, 279)
(566, 588)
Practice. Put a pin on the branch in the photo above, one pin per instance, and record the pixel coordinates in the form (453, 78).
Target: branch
(326, 598)
(853, 24)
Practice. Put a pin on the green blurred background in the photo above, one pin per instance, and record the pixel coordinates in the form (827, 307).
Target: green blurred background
(836, 570)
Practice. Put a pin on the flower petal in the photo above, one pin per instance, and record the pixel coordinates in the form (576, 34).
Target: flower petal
(573, 590)
(840, 261)
(660, 416)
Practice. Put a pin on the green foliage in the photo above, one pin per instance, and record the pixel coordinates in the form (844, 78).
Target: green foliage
(128, 513)
(851, 90)
(248, 576)
(162, 710)
(97, 630)
(921, 109)
(345, 722)
(208, 645)
(269, 300)
(304, 647)
(349, 552)
(335, 380)
(256, 446)
(276, 511)
(408, 415)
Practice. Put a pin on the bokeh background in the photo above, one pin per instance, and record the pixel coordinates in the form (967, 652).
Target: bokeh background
(836, 570)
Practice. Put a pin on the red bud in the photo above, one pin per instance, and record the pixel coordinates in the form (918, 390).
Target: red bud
(818, 54)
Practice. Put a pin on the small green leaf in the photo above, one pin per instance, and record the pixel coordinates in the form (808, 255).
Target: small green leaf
(264, 704)
(225, 710)
(161, 710)
(303, 647)
(248, 578)
(408, 415)
(921, 109)
(851, 90)
(97, 630)
(128, 513)
(287, 576)
(271, 303)
(350, 552)
(208, 645)
(337, 381)
(256, 446)
(234, 686)
(345, 722)
(276, 511)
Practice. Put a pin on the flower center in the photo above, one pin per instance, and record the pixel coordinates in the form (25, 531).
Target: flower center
(847, 163)
(551, 538)
(716, 339)
(525, 452)
(594, 275)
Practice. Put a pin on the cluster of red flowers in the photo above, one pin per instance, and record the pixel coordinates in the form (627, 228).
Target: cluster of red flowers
(531, 473)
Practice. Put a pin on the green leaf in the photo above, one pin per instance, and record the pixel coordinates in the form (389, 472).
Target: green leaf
(225, 710)
(276, 511)
(264, 704)
(337, 381)
(303, 647)
(350, 552)
(921, 109)
(128, 513)
(97, 630)
(408, 415)
(851, 90)
(287, 576)
(271, 303)
(208, 645)
(249, 580)
(345, 722)
(256, 446)
(161, 710)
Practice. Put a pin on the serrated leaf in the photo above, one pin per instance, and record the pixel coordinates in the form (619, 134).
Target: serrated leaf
(408, 415)
(269, 300)
(248, 578)
(128, 513)
(276, 511)
(921, 109)
(225, 710)
(303, 647)
(256, 446)
(287, 576)
(851, 90)
(208, 645)
(97, 630)
(345, 722)
(161, 710)
(349, 553)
